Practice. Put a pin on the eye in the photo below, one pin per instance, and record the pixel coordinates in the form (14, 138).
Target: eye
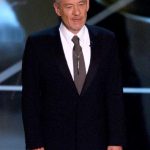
(68, 6)
(81, 3)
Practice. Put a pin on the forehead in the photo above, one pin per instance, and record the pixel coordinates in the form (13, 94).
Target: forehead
(71, 1)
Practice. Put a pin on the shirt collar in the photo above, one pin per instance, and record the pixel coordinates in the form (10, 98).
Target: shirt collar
(68, 35)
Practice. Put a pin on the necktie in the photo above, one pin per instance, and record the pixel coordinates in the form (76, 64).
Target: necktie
(78, 64)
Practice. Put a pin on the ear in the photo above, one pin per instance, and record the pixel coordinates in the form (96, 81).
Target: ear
(88, 5)
(57, 9)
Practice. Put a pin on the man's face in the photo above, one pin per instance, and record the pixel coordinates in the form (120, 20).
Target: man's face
(73, 13)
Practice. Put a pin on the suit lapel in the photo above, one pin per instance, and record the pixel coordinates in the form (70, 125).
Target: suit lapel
(61, 61)
(95, 60)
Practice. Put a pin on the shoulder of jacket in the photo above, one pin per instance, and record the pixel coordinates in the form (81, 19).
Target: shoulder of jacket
(49, 32)
(97, 30)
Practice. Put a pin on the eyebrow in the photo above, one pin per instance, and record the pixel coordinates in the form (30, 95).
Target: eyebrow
(82, 1)
(68, 4)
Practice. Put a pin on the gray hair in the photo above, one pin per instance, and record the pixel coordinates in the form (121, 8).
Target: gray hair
(55, 1)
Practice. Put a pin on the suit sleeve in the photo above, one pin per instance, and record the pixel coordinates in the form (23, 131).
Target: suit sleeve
(114, 99)
(31, 97)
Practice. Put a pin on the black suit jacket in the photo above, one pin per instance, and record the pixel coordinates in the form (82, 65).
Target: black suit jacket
(54, 115)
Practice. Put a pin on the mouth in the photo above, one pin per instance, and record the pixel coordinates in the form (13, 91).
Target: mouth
(77, 19)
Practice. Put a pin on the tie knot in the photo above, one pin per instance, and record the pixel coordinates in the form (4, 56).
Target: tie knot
(75, 40)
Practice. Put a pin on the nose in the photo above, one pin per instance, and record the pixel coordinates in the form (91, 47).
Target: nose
(76, 10)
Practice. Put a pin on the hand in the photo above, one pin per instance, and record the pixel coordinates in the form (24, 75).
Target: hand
(114, 148)
(42, 148)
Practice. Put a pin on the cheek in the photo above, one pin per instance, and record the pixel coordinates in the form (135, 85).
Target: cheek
(67, 18)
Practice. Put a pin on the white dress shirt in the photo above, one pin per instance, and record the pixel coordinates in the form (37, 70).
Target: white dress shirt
(66, 39)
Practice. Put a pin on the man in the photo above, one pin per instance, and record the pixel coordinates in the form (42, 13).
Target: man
(72, 94)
